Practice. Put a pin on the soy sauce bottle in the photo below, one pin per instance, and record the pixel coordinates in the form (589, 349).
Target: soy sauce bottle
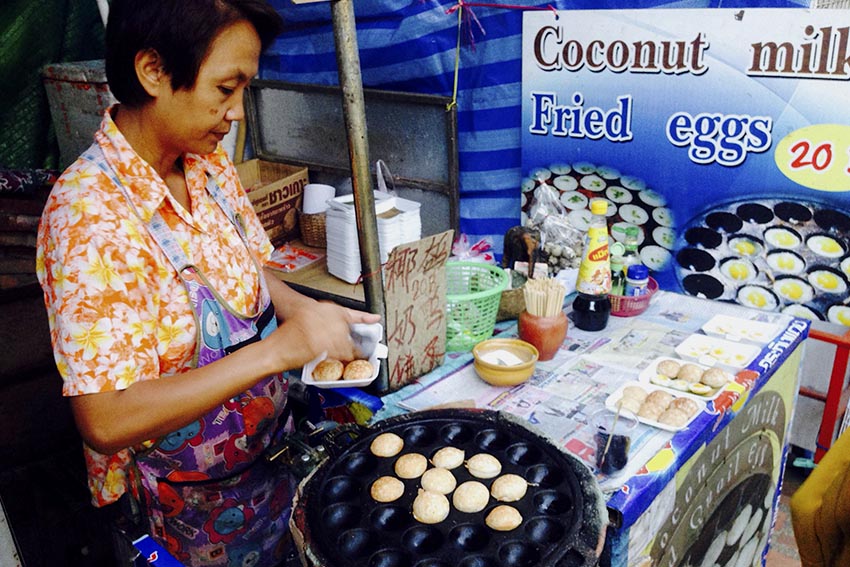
(592, 306)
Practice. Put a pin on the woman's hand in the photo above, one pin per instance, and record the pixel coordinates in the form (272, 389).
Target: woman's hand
(363, 317)
(322, 327)
(309, 327)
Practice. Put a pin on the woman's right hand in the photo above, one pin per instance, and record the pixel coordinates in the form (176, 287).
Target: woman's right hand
(310, 331)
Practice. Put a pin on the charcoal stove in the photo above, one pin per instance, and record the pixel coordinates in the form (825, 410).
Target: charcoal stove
(340, 525)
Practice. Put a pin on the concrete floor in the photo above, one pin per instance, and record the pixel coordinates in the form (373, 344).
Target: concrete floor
(783, 547)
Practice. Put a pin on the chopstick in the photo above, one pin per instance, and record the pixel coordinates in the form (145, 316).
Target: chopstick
(544, 297)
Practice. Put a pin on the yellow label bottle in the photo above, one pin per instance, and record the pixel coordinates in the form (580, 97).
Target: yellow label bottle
(594, 273)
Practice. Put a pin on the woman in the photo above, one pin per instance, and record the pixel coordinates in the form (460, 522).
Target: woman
(150, 259)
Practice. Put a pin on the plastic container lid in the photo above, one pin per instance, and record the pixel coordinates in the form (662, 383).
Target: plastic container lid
(637, 272)
(599, 207)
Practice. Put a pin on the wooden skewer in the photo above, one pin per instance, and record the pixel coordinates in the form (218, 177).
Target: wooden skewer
(611, 433)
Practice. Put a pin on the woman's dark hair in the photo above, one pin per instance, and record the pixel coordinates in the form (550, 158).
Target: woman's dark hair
(180, 31)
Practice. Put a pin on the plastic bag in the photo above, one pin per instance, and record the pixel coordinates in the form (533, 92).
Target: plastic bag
(562, 243)
(481, 251)
(382, 171)
(546, 203)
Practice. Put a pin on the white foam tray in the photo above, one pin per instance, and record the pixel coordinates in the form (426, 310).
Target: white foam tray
(648, 373)
(712, 351)
(380, 351)
(736, 329)
(611, 404)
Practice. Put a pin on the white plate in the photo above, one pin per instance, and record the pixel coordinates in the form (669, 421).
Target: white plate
(366, 332)
(649, 373)
(611, 404)
(711, 351)
(741, 330)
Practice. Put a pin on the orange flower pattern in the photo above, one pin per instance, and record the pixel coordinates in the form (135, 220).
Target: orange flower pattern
(118, 312)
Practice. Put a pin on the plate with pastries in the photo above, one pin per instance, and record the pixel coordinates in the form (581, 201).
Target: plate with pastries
(685, 378)
(324, 372)
(655, 406)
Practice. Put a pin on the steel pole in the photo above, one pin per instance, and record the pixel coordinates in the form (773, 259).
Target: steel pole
(354, 110)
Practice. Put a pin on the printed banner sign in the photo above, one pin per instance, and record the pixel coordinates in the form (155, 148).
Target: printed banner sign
(722, 134)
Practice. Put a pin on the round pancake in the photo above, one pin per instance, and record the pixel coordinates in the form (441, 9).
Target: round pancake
(430, 507)
(669, 368)
(484, 465)
(716, 377)
(509, 488)
(448, 458)
(386, 445)
(441, 481)
(387, 489)
(411, 465)
(328, 370)
(503, 518)
(470, 497)
(358, 370)
(690, 372)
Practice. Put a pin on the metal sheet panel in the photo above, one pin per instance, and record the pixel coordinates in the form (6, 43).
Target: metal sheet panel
(414, 134)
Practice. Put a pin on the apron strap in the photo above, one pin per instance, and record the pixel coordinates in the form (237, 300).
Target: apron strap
(162, 234)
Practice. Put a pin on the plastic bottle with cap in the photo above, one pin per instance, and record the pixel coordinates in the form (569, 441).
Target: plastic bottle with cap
(592, 306)
(618, 277)
(630, 255)
(637, 280)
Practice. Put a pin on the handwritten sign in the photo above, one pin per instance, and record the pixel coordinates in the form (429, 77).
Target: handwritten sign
(415, 298)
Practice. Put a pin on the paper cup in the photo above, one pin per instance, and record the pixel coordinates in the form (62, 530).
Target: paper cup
(316, 197)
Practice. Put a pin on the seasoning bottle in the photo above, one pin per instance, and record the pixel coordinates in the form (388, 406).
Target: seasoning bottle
(636, 280)
(592, 306)
(618, 276)
(630, 256)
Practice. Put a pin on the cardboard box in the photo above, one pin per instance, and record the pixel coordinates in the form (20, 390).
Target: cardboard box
(276, 191)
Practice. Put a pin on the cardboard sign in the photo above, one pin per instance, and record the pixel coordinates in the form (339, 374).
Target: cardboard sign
(415, 298)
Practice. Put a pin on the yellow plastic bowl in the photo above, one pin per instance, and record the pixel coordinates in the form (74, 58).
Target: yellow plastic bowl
(504, 362)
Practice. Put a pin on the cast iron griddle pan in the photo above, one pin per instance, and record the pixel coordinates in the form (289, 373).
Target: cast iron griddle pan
(563, 511)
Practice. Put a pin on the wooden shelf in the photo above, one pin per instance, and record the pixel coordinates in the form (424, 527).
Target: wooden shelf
(315, 281)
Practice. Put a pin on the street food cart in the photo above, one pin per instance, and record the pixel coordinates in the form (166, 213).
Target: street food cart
(708, 488)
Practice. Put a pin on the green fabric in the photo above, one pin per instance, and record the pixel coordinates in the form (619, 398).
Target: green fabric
(34, 33)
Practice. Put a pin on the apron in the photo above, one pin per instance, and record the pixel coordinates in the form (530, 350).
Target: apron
(211, 497)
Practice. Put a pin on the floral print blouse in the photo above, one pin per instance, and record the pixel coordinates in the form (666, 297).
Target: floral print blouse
(118, 312)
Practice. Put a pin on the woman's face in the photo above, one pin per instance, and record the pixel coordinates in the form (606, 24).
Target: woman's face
(196, 120)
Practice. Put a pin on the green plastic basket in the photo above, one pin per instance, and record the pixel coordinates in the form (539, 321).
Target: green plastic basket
(473, 292)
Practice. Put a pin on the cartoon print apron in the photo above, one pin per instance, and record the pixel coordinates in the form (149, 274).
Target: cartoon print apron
(210, 495)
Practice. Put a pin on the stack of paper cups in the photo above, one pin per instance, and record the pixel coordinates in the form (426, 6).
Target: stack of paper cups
(316, 196)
